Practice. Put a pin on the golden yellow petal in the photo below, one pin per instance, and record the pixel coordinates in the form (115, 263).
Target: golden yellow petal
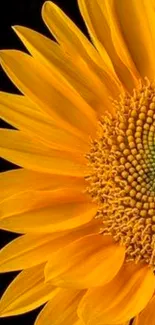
(90, 10)
(41, 86)
(90, 261)
(126, 323)
(61, 310)
(24, 151)
(80, 49)
(33, 249)
(121, 299)
(34, 200)
(149, 7)
(95, 15)
(117, 37)
(19, 112)
(26, 292)
(147, 316)
(15, 181)
(78, 322)
(64, 70)
(130, 24)
(68, 34)
(57, 217)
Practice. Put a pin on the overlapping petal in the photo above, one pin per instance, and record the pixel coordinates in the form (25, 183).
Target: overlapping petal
(21, 180)
(67, 33)
(121, 299)
(147, 316)
(87, 58)
(129, 22)
(26, 292)
(88, 262)
(70, 212)
(62, 309)
(65, 69)
(95, 15)
(24, 151)
(34, 200)
(21, 113)
(51, 94)
(33, 249)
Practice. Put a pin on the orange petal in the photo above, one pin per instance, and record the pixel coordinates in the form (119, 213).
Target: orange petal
(82, 52)
(147, 316)
(26, 292)
(52, 56)
(38, 83)
(34, 200)
(95, 15)
(33, 249)
(62, 309)
(57, 217)
(19, 112)
(65, 67)
(20, 180)
(130, 29)
(93, 19)
(67, 33)
(117, 36)
(89, 262)
(121, 299)
(78, 322)
(24, 151)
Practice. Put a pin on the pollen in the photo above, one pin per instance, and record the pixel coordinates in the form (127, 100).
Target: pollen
(122, 178)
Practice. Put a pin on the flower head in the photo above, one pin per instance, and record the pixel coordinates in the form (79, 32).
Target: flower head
(84, 200)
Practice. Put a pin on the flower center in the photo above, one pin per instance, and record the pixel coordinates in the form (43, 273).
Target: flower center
(122, 181)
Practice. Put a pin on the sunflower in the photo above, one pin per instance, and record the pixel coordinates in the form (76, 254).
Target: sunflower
(84, 200)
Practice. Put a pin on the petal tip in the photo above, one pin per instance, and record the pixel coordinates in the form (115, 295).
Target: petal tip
(15, 28)
(46, 5)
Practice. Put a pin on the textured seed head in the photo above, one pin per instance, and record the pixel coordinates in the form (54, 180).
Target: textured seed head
(122, 182)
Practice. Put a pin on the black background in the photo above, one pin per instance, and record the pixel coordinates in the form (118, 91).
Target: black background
(26, 13)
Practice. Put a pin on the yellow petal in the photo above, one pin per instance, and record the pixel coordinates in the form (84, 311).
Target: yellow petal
(56, 217)
(61, 66)
(89, 262)
(147, 316)
(26, 292)
(78, 322)
(61, 310)
(126, 323)
(67, 33)
(17, 111)
(33, 200)
(121, 299)
(33, 249)
(90, 9)
(24, 151)
(64, 67)
(80, 49)
(117, 37)
(41, 86)
(95, 15)
(132, 29)
(150, 13)
(14, 181)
